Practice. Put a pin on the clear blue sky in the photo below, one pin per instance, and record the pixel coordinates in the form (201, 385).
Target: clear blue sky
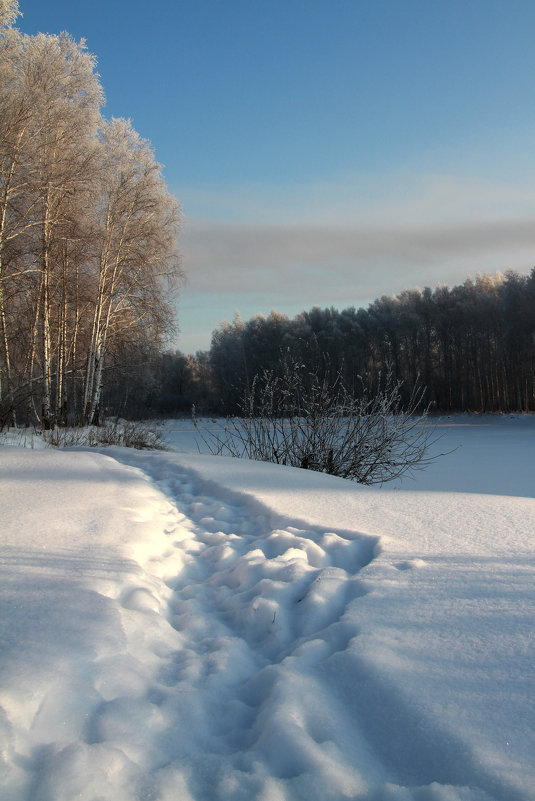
(325, 152)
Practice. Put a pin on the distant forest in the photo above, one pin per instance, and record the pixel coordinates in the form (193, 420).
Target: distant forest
(471, 346)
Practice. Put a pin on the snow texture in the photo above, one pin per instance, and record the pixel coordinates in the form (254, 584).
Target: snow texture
(182, 627)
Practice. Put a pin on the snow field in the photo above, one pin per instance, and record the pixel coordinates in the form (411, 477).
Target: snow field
(179, 627)
(71, 600)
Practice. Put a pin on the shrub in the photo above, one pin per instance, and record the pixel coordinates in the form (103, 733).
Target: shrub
(125, 433)
(295, 417)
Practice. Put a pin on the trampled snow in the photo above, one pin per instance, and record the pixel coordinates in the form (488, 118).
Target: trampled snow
(182, 627)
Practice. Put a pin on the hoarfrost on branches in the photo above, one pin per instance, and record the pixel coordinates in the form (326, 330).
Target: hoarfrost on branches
(303, 419)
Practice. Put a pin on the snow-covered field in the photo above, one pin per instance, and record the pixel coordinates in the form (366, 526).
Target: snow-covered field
(177, 626)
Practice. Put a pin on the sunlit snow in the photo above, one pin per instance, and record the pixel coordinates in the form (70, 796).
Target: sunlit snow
(182, 627)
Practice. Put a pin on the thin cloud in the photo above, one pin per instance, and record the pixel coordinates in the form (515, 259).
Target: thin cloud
(255, 258)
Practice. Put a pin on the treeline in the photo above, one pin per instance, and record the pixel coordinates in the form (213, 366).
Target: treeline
(88, 237)
(472, 346)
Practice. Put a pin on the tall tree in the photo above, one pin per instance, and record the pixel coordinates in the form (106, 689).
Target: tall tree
(88, 230)
(66, 96)
(137, 225)
(15, 117)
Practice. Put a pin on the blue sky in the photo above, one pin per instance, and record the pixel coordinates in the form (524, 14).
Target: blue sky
(324, 152)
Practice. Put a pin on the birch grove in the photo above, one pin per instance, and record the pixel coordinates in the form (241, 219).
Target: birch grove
(88, 232)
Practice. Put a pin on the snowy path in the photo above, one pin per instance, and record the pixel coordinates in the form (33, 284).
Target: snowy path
(257, 608)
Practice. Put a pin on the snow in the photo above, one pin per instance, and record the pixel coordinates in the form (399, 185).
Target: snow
(182, 627)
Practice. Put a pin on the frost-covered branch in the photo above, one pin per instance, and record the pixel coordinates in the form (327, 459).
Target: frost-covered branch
(295, 417)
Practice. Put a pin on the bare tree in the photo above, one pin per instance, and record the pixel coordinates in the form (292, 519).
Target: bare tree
(9, 11)
(66, 99)
(49, 115)
(15, 116)
(88, 230)
(137, 228)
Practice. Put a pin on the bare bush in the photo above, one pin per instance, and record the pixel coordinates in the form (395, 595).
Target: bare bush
(127, 434)
(299, 418)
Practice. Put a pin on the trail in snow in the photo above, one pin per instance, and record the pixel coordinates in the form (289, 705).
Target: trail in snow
(267, 615)
(257, 608)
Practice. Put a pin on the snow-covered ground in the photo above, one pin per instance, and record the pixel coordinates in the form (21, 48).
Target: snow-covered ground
(177, 627)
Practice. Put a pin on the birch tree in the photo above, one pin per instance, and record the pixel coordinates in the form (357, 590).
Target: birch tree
(88, 230)
(9, 11)
(66, 97)
(15, 115)
(138, 261)
(50, 100)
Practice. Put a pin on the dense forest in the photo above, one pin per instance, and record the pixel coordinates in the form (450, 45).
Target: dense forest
(88, 237)
(472, 346)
